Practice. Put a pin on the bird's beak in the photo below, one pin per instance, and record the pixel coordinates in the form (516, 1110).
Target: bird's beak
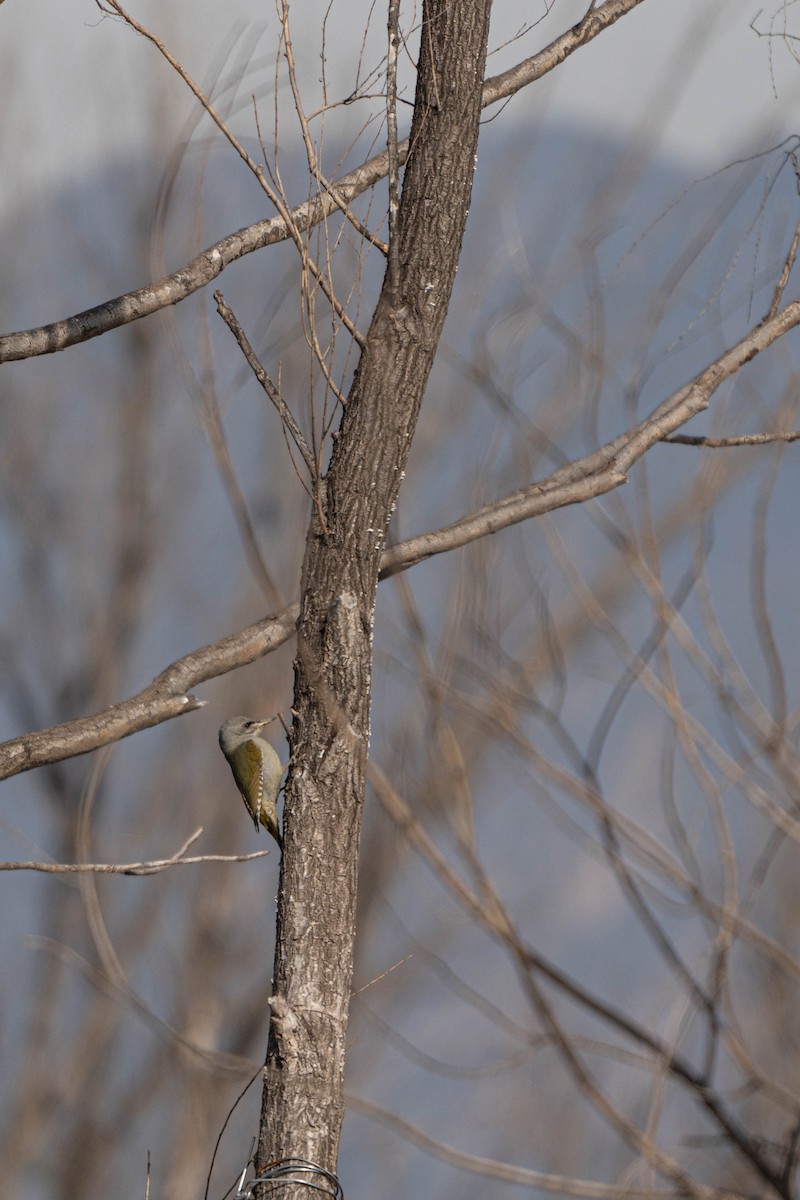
(261, 724)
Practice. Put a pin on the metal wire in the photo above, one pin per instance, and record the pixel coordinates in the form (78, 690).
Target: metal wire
(292, 1170)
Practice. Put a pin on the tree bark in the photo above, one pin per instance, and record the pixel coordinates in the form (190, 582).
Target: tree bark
(303, 1107)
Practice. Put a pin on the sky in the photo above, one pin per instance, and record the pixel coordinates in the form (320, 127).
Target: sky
(77, 88)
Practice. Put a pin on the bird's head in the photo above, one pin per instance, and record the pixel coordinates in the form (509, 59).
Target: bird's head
(238, 729)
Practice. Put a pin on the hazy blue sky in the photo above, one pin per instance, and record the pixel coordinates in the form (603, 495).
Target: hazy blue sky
(76, 87)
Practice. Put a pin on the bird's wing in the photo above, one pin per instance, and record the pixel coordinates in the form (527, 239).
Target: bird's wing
(248, 762)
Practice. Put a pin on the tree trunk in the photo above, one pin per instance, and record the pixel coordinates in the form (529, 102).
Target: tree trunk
(302, 1107)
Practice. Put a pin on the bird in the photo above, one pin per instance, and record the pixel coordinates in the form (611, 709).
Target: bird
(256, 768)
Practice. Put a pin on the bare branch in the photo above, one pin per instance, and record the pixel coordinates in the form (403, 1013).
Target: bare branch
(745, 439)
(602, 470)
(206, 266)
(594, 21)
(597, 473)
(163, 699)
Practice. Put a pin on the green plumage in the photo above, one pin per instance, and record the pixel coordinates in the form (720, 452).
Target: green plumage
(256, 769)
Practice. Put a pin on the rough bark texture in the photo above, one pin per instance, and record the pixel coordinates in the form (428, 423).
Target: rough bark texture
(302, 1104)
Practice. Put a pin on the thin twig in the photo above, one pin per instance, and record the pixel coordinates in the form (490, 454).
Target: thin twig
(119, 988)
(283, 410)
(152, 867)
(503, 1172)
(484, 904)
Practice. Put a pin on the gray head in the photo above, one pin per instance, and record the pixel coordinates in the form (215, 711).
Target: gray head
(238, 729)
